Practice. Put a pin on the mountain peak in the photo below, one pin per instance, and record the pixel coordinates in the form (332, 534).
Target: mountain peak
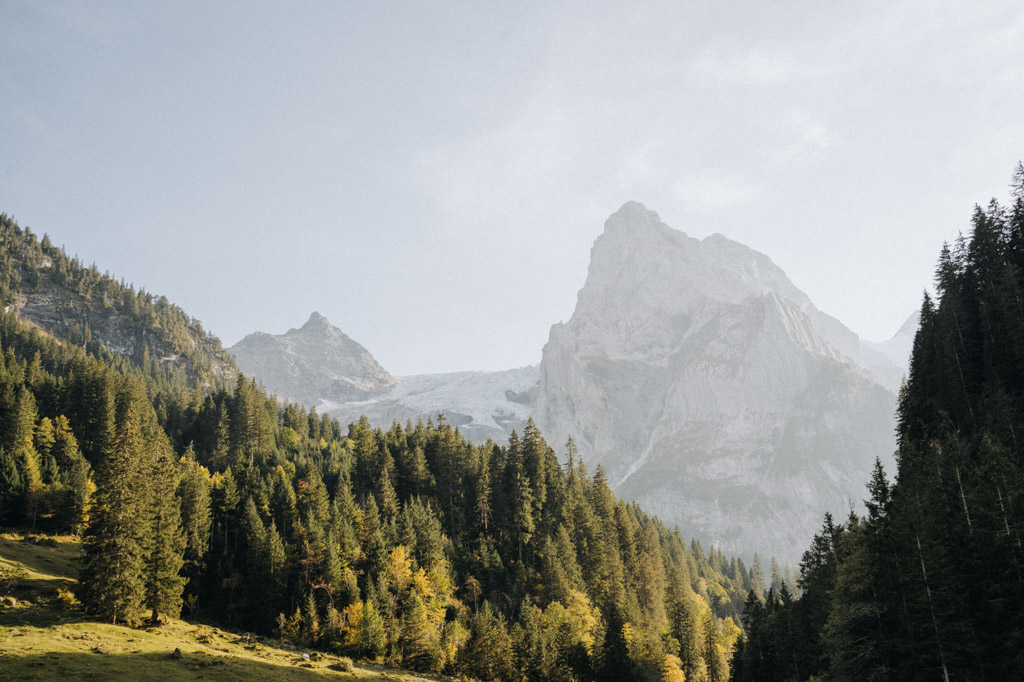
(632, 216)
(316, 320)
(697, 374)
(314, 363)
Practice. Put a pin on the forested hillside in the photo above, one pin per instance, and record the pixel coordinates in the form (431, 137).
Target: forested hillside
(409, 545)
(128, 329)
(928, 585)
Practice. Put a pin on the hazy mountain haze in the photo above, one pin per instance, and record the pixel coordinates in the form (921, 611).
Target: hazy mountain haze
(447, 163)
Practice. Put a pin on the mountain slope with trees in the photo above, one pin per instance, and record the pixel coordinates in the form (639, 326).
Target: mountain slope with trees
(130, 329)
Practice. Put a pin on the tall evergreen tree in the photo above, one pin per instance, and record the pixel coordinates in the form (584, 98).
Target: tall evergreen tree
(487, 655)
(112, 574)
(165, 540)
(372, 641)
(419, 651)
(717, 670)
(196, 511)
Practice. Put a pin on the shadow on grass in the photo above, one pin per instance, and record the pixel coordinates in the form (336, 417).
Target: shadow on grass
(46, 557)
(153, 666)
(21, 586)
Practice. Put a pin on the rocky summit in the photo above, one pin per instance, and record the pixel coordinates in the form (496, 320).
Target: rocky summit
(712, 391)
(316, 362)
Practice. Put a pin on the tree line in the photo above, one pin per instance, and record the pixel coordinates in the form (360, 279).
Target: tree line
(927, 584)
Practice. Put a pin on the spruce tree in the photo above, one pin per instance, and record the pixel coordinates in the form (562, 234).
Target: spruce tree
(12, 489)
(370, 637)
(616, 663)
(196, 510)
(277, 569)
(419, 651)
(44, 440)
(22, 441)
(529, 645)
(166, 542)
(717, 671)
(487, 655)
(75, 494)
(112, 576)
(683, 626)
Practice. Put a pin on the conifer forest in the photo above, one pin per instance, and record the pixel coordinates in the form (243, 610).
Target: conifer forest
(199, 495)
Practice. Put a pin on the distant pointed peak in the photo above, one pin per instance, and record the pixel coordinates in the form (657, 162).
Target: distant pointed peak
(634, 207)
(909, 328)
(316, 318)
(317, 322)
(632, 215)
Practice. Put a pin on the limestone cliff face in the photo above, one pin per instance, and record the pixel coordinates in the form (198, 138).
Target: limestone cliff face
(312, 364)
(711, 389)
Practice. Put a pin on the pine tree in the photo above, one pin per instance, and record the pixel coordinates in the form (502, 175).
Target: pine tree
(419, 651)
(112, 577)
(283, 501)
(757, 576)
(683, 623)
(559, 568)
(650, 580)
(487, 654)
(528, 644)
(482, 491)
(717, 671)
(277, 569)
(388, 503)
(226, 500)
(370, 637)
(12, 489)
(75, 495)
(196, 518)
(311, 619)
(166, 542)
(776, 575)
(22, 441)
(418, 479)
(616, 663)
(522, 497)
(44, 440)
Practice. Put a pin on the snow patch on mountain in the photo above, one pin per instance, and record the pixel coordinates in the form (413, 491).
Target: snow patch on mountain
(482, 404)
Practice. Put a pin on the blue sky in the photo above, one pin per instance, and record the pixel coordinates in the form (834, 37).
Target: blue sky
(431, 176)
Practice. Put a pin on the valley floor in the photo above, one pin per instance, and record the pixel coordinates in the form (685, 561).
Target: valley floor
(44, 635)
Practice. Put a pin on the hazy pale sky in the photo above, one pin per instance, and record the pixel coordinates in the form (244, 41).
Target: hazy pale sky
(431, 175)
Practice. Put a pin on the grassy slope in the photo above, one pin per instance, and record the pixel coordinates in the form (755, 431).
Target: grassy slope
(42, 639)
